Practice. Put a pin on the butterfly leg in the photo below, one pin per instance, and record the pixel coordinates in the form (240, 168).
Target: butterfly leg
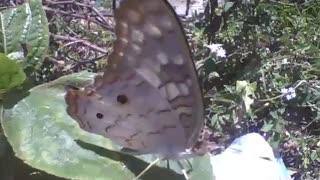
(184, 171)
(168, 164)
(147, 168)
(190, 166)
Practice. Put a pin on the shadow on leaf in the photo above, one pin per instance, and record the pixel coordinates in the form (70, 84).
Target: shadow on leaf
(134, 164)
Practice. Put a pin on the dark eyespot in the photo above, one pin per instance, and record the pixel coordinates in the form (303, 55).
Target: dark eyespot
(99, 115)
(122, 99)
(200, 136)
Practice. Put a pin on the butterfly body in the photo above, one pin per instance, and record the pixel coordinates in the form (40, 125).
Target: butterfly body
(148, 98)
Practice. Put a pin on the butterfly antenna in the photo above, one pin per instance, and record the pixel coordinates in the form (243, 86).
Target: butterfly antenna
(147, 168)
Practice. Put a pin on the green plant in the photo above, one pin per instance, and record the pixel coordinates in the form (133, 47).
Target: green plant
(268, 82)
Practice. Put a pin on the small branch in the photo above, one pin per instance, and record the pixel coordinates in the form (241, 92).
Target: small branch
(99, 15)
(80, 63)
(76, 15)
(84, 42)
(59, 2)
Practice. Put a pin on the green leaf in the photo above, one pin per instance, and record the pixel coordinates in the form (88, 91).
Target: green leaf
(11, 74)
(267, 127)
(228, 5)
(314, 155)
(240, 86)
(44, 136)
(222, 99)
(25, 28)
(246, 90)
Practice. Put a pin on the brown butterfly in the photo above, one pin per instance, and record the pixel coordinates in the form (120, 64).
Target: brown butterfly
(148, 100)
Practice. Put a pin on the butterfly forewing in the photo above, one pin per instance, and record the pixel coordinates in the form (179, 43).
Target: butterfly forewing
(153, 42)
(148, 98)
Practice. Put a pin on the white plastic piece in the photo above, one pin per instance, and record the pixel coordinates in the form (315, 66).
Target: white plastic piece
(249, 157)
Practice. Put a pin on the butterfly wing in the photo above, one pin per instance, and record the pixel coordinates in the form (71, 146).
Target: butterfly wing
(148, 98)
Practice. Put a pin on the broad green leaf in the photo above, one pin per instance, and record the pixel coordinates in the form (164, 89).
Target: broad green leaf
(11, 74)
(44, 136)
(25, 28)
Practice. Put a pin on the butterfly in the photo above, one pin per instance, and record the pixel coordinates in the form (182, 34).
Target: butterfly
(148, 99)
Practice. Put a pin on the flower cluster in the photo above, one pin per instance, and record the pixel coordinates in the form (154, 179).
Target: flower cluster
(218, 49)
(289, 93)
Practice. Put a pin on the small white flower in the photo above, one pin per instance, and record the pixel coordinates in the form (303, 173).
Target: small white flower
(285, 61)
(291, 89)
(216, 48)
(284, 91)
(289, 93)
(268, 50)
(221, 52)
